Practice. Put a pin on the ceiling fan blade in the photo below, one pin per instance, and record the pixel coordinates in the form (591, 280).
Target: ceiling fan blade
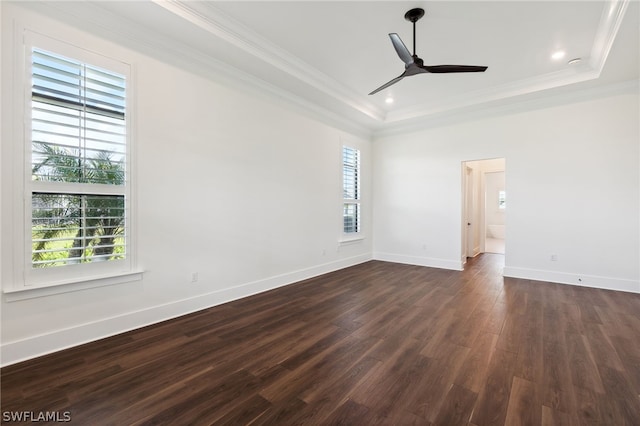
(384, 86)
(453, 68)
(401, 49)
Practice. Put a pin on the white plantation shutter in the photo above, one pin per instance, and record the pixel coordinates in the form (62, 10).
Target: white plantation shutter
(351, 189)
(70, 229)
(77, 116)
(78, 162)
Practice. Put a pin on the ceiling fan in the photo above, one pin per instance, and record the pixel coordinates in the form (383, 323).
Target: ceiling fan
(412, 63)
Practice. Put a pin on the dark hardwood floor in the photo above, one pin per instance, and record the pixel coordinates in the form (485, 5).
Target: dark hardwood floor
(378, 343)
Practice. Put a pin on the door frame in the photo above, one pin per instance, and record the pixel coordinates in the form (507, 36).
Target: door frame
(473, 205)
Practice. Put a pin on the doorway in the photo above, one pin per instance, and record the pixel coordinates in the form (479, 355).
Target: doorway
(494, 211)
(484, 203)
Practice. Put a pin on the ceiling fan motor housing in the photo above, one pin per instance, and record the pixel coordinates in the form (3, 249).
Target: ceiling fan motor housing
(414, 15)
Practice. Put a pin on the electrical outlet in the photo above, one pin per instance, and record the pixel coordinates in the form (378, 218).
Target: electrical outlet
(554, 257)
(194, 277)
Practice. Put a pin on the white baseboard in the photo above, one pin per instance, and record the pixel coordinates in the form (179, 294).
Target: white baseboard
(21, 350)
(607, 283)
(455, 265)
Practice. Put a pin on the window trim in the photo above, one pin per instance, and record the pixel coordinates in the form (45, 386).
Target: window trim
(15, 294)
(349, 237)
(22, 277)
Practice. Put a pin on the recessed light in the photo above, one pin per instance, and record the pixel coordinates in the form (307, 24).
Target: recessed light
(558, 54)
(389, 100)
(574, 61)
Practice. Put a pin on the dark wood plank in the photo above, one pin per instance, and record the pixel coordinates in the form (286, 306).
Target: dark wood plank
(493, 400)
(524, 404)
(281, 413)
(529, 363)
(350, 413)
(623, 408)
(584, 370)
(551, 417)
(377, 343)
(457, 407)
(473, 372)
(440, 374)
(252, 412)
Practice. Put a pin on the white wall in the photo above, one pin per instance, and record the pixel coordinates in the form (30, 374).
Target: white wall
(573, 190)
(246, 193)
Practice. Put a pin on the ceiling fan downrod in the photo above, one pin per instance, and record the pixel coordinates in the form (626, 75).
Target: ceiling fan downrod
(414, 16)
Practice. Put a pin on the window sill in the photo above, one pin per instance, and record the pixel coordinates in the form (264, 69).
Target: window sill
(24, 293)
(351, 240)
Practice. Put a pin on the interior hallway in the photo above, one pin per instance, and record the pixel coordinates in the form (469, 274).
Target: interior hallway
(494, 245)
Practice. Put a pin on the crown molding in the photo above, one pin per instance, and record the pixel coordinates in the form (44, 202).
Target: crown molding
(504, 107)
(495, 93)
(213, 20)
(610, 21)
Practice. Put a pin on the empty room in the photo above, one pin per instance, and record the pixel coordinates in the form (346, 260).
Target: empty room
(320, 212)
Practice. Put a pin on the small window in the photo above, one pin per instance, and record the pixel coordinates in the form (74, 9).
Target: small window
(351, 190)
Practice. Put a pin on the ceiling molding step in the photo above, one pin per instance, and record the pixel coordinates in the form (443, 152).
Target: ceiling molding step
(217, 23)
(504, 91)
(505, 107)
(610, 20)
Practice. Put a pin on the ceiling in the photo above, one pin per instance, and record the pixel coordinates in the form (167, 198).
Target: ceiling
(328, 55)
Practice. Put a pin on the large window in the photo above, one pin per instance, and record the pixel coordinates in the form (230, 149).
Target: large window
(78, 182)
(78, 141)
(351, 190)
